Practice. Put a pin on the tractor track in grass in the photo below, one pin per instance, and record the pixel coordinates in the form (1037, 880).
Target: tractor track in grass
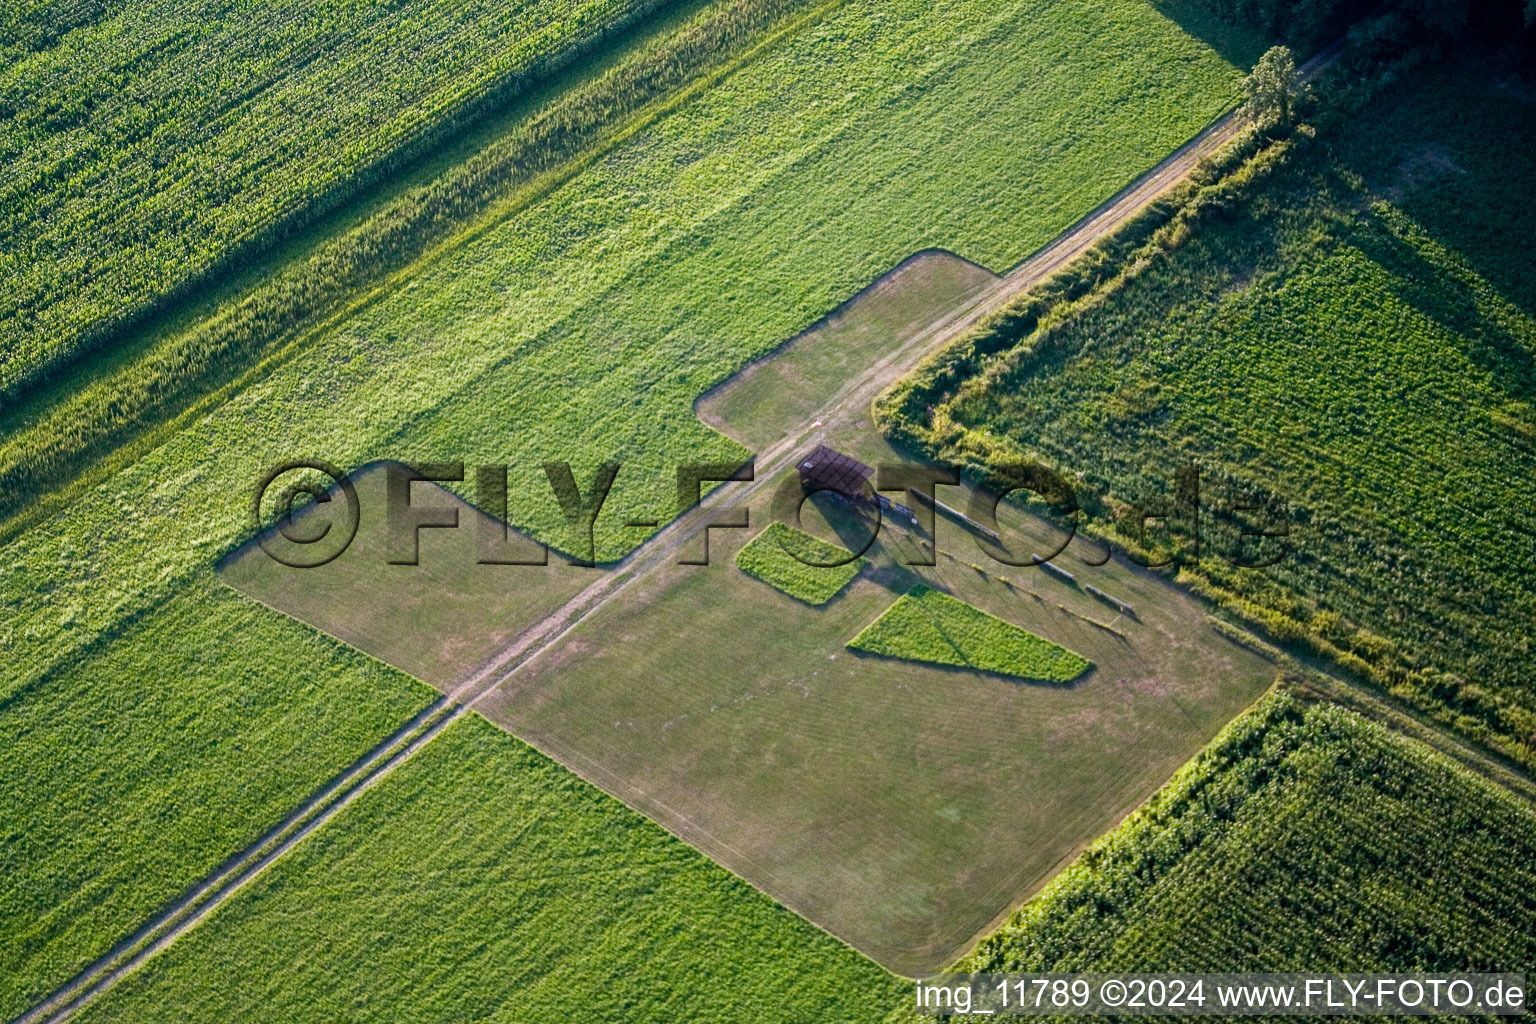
(210, 894)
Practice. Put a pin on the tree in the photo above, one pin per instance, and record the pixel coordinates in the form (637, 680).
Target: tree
(1272, 88)
(1445, 16)
(1530, 12)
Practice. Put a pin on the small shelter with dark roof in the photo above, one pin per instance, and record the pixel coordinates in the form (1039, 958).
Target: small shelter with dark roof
(827, 469)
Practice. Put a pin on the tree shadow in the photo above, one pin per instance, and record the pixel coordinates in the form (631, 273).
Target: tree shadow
(1449, 302)
(1238, 45)
(1461, 170)
(854, 522)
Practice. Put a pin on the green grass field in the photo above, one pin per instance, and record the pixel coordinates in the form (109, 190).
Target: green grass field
(779, 555)
(484, 882)
(1351, 339)
(582, 326)
(141, 765)
(146, 145)
(1296, 814)
(931, 626)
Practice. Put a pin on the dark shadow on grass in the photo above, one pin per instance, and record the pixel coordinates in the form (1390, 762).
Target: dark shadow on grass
(1475, 164)
(1235, 44)
(967, 670)
(1449, 302)
(898, 579)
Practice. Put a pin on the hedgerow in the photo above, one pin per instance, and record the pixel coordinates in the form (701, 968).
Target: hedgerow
(801, 566)
(929, 625)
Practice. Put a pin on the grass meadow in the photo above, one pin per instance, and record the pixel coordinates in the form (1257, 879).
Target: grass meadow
(141, 765)
(580, 327)
(485, 882)
(930, 626)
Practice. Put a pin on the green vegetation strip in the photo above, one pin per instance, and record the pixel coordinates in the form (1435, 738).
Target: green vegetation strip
(180, 743)
(152, 145)
(1296, 814)
(928, 625)
(779, 555)
(423, 900)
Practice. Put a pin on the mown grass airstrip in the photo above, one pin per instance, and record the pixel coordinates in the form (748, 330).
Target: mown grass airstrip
(791, 385)
(440, 619)
(737, 719)
(863, 792)
(583, 328)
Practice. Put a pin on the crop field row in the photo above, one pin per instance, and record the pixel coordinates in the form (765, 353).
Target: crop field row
(582, 328)
(116, 403)
(146, 147)
(1349, 341)
(931, 626)
(1297, 814)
